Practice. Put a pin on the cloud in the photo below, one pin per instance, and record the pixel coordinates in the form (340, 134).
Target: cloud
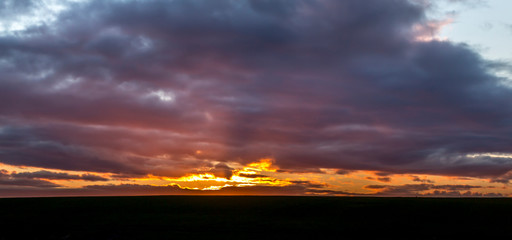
(22, 146)
(461, 194)
(138, 88)
(252, 175)
(309, 184)
(343, 172)
(380, 179)
(375, 186)
(418, 179)
(9, 180)
(505, 178)
(455, 187)
(300, 170)
(222, 170)
(10, 9)
(384, 179)
(415, 189)
(383, 174)
(58, 176)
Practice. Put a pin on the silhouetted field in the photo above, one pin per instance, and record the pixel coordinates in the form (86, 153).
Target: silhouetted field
(244, 217)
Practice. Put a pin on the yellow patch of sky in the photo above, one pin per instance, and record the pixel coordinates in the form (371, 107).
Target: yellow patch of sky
(208, 181)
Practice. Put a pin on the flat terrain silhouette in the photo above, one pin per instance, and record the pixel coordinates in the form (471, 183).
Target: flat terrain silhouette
(254, 217)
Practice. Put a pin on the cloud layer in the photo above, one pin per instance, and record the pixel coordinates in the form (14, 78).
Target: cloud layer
(167, 87)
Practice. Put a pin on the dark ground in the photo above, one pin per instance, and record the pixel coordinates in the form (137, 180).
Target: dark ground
(244, 217)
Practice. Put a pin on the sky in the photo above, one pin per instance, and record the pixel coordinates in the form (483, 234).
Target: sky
(256, 97)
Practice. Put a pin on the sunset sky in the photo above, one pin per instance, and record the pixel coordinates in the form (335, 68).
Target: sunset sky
(256, 97)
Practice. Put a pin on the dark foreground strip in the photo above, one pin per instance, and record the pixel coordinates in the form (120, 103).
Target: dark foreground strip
(244, 217)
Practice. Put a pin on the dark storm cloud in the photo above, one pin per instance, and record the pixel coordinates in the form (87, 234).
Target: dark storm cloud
(309, 184)
(58, 176)
(384, 179)
(94, 149)
(303, 170)
(222, 170)
(383, 174)
(343, 172)
(252, 175)
(380, 179)
(25, 147)
(137, 87)
(418, 179)
(10, 180)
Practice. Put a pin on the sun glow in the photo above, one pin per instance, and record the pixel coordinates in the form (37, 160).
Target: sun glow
(264, 164)
(198, 177)
(256, 173)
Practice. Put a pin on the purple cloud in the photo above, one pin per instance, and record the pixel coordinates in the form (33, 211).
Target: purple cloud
(114, 86)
